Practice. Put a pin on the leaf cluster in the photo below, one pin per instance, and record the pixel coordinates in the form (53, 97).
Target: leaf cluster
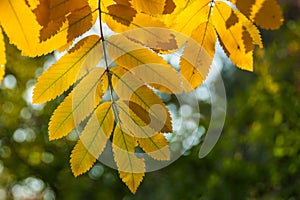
(134, 117)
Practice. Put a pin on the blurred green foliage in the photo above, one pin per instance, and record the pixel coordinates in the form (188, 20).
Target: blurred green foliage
(257, 156)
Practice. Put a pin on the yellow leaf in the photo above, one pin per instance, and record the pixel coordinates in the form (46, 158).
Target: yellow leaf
(131, 168)
(151, 7)
(194, 14)
(160, 40)
(2, 56)
(20, 25)
(122, 13)
(198, 55)
(152, 142)
(133, 89)
(156, 146)
(157, 123)
(76, 106)
(265, 13)
(81, 159)
(93, 139)
(132, 124)
(70, 68)
(80, 21)
(231, 26)
(140, 20)
(144, 63)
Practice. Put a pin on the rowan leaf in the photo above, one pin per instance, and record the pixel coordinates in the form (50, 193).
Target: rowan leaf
(231, 26)
(20, 25)
(192, 16)
(2, 56)
(70, 68)
(122, 12)
(151, 141)
(198, 55)
(265, 13)
(151, 7)
(131, 168)
(140, 20)
(156, 146)
(144, 63)
(81, 159)
(93, 139)
(76, 106)
(132, 89)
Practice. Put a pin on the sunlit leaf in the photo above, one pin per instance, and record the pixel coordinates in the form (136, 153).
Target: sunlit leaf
(265, 13)
(93, 139)
(231, 26)
(131, 168)
(151, 141)
(20, 25)
(71, 67)
(134, 90)
(198, 55)
(76, 106)
(151, 7)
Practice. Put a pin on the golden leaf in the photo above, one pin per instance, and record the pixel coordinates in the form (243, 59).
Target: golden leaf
(20, 25)
(81, 159)
(134, 90)
(198, 55)
(140, 20)
(122, 13)
(144, 64)
(93, 139)
(265, 13)
(150, 7)
(131, 168)
(70, 68)
(76, 106)
(230, 25)
(152, 142)
(156, 146)
(194, 14)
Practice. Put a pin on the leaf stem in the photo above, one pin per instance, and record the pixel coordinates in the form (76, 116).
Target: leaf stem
(107, 71)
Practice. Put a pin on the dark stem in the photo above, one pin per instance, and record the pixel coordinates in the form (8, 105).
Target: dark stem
(107, 71)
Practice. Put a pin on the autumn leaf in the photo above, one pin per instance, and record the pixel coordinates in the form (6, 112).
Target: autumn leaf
(151, 141)
(131, 168)
(198, 55)
(93, 139)
(265, 13)
(70, 68)
(132, 67)
(76, 106)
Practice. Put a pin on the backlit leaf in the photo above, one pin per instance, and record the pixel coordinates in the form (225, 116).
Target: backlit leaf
(230, 26)
(156, 146)
(265, 13)
(76, 106)
(134, 90)
(71, 67)
(93, 139)
(198, 55)
(151, 141)
(20, 25)
(131, 168)
(81, 159)
(194, 14)
(151, 7)
(147, 64)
